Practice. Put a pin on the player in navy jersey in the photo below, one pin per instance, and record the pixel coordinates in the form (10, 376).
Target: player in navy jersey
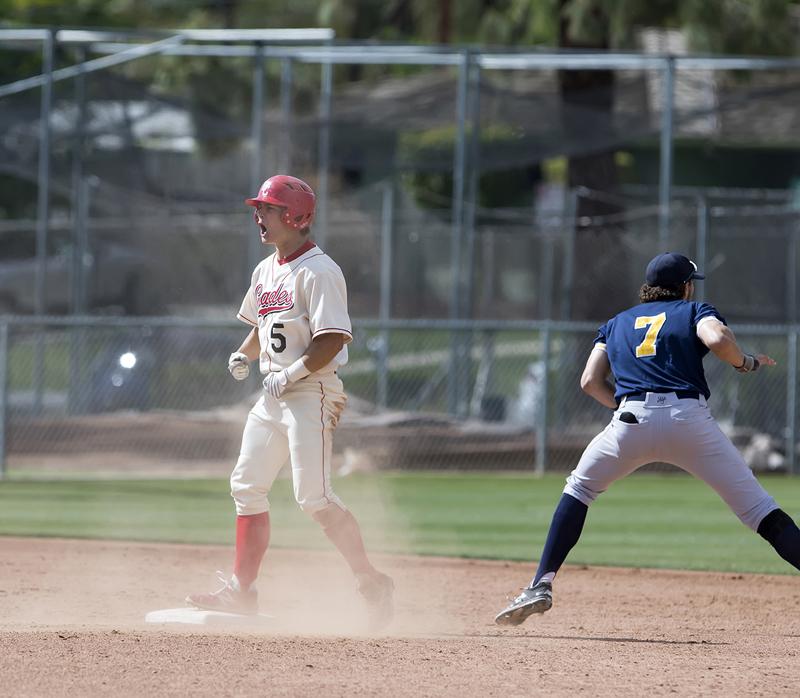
(655, 351)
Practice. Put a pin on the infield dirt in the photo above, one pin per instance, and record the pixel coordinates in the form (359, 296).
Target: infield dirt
(72, 623)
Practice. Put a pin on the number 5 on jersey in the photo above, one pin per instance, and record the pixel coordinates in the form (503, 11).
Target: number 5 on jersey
(278, 342)
(654, 323)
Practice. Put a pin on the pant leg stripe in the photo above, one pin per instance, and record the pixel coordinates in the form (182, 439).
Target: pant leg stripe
(322, 424)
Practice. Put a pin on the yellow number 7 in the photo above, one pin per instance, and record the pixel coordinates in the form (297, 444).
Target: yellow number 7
(655, 323)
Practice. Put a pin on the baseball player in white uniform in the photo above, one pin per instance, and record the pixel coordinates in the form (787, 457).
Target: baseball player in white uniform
(655, 352)
(297, 308)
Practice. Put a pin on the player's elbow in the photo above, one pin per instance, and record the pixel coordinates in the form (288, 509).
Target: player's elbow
(715, 335)
(588, 382)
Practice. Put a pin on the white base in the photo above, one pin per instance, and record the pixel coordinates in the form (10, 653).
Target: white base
(196, 616)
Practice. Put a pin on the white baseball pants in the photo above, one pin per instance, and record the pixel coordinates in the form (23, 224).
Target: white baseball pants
(297, 427)
(677, 431)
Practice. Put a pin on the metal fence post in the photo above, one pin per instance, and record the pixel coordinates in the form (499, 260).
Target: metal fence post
(286, 114)
(472, 156)
(254, 248)
(541, 412)
(80, 294)
(455, 380)
(791, 276)
(665, 174)
(702, 243)
(43, 177)
(43, 215)
(78, 192)
(3, 395)
(325, 108)
(80, 244)
(568, 221)
(385, 309)
(791, 401)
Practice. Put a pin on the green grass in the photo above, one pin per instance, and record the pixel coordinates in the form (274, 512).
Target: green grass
(643, 521)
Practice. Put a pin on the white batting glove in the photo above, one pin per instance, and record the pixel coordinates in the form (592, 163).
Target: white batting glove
(276, 383)
(239, 366)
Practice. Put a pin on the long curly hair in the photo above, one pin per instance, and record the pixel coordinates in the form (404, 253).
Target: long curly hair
(649, 294)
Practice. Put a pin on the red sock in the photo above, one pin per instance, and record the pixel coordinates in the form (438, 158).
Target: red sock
(252, 539)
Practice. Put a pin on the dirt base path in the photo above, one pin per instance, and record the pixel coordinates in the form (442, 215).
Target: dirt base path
(71, 623)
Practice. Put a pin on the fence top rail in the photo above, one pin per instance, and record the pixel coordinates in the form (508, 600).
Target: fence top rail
(24, 34)
(304, 54)
(511, 57)
(445, 324)
(366, 53)
(314, 34)
(570, 61)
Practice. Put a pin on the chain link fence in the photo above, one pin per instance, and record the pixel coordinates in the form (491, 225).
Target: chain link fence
(488, 208)
(154, 395)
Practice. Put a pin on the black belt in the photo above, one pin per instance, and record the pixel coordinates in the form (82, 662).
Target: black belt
(641, 397)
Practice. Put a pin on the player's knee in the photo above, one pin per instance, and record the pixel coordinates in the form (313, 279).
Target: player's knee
(579, 490)
(311, 504)
(249, 498)
(312, 498)
(753, 517)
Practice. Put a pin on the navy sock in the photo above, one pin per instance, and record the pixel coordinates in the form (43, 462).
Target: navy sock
(565, 530)
(782, 534)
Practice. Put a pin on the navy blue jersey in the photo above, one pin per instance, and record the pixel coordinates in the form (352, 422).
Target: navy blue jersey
(654, 347)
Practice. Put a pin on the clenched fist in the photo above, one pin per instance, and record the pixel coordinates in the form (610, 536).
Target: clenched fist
(239, 366)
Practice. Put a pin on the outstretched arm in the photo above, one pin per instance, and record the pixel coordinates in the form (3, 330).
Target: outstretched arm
(719, 338)
(594, 379)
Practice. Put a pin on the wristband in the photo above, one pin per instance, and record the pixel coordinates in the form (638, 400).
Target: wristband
(749, 363)
(297, 371)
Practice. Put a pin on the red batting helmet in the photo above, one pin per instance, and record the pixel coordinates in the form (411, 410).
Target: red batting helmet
(291, 194)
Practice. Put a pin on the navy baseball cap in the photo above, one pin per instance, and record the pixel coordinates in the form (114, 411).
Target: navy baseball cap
(671, 269)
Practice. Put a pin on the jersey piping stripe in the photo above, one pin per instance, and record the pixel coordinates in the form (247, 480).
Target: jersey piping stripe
(246, 319)
(334, 330)
(322, 424)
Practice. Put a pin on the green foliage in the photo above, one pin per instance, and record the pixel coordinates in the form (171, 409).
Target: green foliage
(761, 27)
(433, 189)
(730, 26)
(642, 521)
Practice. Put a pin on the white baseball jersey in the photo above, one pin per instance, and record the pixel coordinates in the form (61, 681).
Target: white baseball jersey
(291, 301)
